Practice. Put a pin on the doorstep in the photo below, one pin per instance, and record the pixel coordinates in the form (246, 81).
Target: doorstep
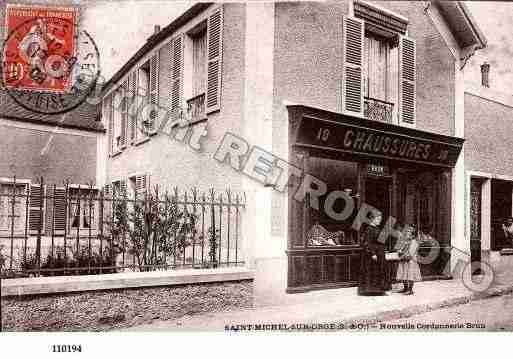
(66, 284)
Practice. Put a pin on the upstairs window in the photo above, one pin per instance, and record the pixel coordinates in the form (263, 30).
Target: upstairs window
(195, 71)
(380, 71)
(196, 68)
(379, 66)
(115, 111)
(144, 92)
(117, 119)
(199, 64)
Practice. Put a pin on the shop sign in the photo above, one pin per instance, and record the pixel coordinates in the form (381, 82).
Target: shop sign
(343, 137)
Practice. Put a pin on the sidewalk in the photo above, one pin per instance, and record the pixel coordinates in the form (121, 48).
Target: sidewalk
(343, 305)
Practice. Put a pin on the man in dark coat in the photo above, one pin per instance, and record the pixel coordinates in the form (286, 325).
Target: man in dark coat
(372, 265)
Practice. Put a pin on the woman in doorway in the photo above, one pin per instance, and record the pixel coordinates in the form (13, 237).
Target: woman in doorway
(507, 227)
(372, 265)
(408, 270)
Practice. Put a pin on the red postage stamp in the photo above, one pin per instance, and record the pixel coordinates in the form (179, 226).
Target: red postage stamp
(39, 50)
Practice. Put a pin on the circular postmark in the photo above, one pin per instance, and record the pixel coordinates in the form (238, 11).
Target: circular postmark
(48, 66)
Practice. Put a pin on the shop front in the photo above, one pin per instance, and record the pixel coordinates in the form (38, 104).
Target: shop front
(403, 172)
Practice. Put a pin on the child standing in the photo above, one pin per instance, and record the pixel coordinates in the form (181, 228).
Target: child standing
(408, 270)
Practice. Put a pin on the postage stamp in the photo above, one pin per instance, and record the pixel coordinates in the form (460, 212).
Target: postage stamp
(48, 64)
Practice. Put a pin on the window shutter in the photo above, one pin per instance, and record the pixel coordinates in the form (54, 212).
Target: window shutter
(141, 185)
(122, 188)
(36, 208)
(107, 191)
(154, 89)
(124, 112)
(407, 85)
(59, 215)
(110, 121)
(214, 60)
(133, 114)
(352, 71)
(176, 55)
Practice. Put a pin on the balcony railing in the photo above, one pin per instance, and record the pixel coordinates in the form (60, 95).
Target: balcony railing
(196, 108)
(378, 110)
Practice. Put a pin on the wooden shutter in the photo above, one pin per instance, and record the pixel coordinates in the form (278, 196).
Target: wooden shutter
(176, 56)
(36, 208)
(59, 214)
(352, 70)
(122, 188)
(124, 112)
(107, 191)
(214, 60)
(110, 121)
(154, 89)
(141, 185)
(133, 104)
(407, 85)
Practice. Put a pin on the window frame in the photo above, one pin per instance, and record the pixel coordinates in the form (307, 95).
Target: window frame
(24, 206)
(84, 199)
(392, 78)
(386, 24)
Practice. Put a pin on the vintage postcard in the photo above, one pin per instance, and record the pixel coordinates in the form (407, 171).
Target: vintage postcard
(248, 167)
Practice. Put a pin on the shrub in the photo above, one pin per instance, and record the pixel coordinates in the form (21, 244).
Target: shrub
(28, 263)
(78, 259)
(155, 228)
(3, 259)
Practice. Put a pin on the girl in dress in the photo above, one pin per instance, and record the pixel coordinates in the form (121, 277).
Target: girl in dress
(408, 270)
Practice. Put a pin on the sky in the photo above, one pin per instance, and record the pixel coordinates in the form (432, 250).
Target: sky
(495, 19)
(121, 27)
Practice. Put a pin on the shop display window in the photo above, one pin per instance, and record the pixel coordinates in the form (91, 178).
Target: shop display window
(338, 176)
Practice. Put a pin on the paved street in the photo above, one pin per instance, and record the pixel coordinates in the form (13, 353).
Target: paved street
(495, 313)
(344, 305)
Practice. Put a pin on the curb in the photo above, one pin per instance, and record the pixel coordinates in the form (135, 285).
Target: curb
(425, 308)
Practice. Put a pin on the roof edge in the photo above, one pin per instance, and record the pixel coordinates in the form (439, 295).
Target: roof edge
(489, 94)
(473, 23)
(50, 124)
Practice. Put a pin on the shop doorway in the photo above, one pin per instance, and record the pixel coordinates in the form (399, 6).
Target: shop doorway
(500, 211)
(475, 220)
(378, 195)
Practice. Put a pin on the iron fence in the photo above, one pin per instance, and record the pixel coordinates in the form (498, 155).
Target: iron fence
(74, 230)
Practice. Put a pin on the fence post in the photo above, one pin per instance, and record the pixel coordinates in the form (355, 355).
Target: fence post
(212, 234)
(40, 226)
(229, 196)
(27, 229)
(67, 207)
(203, 200)
(13, 203)
(220, 227)
(53, 224)
(90, 224)
(194, 200)
(100, 224)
